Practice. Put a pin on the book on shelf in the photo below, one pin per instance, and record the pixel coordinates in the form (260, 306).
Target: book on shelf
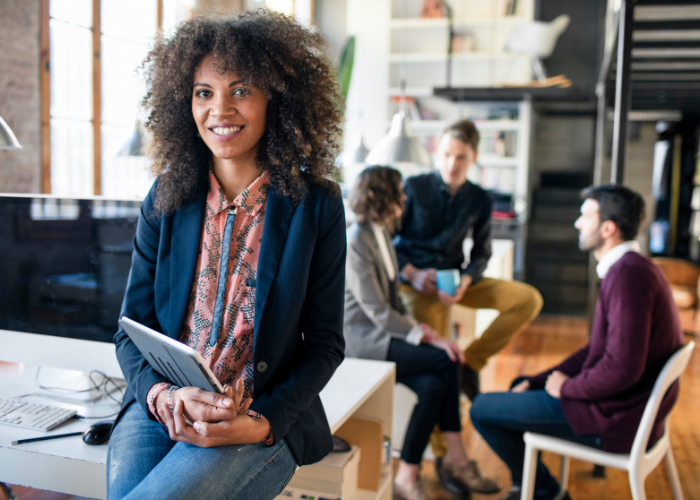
(509, 8)
(496, 179)
(496, 143)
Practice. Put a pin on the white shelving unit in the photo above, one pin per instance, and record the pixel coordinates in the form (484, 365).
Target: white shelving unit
(395, 46)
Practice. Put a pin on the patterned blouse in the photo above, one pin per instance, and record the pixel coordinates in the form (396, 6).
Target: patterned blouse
(221, 310)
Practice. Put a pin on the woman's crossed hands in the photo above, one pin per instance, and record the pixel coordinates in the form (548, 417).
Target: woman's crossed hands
(206, 419)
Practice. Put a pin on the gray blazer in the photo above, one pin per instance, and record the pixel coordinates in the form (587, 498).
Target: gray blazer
(374, 312)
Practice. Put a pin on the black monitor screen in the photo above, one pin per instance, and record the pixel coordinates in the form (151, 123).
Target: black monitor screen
(64, 265)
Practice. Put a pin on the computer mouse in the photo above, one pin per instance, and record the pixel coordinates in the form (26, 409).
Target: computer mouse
(97, 433)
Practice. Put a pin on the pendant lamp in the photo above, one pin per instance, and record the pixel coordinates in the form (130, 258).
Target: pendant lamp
(356, 153)
(399, 146)
(7, 137)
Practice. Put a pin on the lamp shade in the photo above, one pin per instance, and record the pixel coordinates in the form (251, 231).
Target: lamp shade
(7, 138)
(356, 153)
(398, 146)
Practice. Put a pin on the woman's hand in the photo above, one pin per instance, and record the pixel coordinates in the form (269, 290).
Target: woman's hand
(429, 334)
(243, 429)
(450, 348)
(205, 406)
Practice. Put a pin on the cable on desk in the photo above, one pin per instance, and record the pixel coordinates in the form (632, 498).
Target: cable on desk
(102, 386)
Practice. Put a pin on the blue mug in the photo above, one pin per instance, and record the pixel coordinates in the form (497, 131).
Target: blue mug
(448, 281)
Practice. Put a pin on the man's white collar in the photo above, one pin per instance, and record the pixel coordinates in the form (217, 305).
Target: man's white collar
(615, 254)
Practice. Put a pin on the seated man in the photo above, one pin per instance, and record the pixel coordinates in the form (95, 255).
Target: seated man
(597, 395)
(442, 208)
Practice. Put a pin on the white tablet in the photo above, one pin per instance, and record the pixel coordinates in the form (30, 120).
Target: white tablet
(177, 362)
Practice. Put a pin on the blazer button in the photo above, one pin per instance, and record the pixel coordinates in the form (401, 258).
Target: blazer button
(262, 366)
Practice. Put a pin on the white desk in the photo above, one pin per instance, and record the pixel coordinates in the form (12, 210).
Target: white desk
(69, 466)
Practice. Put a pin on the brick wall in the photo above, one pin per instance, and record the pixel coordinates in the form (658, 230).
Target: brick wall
(20, 94)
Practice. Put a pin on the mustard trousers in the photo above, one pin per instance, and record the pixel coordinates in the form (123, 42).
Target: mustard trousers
(518, 304)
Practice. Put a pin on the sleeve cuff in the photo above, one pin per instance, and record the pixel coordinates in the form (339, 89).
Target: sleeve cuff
(415, 335)
(153, 394)
(270, 439)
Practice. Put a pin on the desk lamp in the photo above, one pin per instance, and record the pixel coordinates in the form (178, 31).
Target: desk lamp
(7, 138)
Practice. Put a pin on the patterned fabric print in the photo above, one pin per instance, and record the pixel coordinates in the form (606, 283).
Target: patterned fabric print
(232, 356)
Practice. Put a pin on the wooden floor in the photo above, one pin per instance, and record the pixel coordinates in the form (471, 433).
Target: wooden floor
(543, 344)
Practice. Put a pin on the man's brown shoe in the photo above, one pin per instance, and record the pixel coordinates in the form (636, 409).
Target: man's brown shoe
(471, 476)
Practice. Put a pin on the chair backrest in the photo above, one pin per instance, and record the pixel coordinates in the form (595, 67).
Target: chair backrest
(537, 38)
(678, 271)
(672, 370)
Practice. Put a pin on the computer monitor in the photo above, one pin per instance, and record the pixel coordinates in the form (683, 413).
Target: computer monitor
(64, 265)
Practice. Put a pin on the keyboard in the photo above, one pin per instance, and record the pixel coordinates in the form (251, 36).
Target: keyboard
(32, 415)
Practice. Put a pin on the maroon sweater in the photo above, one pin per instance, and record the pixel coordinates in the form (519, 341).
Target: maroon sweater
(636, 329)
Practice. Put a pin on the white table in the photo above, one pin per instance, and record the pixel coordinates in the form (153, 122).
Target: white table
(69, 466)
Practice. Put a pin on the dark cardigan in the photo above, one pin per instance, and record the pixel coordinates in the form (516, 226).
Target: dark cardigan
(636, 329)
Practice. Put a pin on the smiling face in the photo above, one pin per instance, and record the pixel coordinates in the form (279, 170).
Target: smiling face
(454, 158)
(230, 116)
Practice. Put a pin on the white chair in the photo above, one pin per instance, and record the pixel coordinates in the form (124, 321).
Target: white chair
(638, 463)
(537, 40)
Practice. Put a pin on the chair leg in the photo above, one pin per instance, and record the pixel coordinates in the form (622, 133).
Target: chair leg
(673, 475)
(564, 473)
(637, 486)
(529, 469)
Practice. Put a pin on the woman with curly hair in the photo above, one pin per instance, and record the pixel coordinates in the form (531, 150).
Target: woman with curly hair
(240, 254)
(377, 326)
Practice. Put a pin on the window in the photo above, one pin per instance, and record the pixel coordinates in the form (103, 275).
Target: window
(91, 91)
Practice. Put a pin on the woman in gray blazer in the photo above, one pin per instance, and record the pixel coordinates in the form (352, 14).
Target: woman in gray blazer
(376, 326)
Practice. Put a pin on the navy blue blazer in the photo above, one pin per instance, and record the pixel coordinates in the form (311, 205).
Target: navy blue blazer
(298, 308)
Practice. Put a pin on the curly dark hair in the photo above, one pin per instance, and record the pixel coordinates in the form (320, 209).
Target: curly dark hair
(376, 193)
(268, 51)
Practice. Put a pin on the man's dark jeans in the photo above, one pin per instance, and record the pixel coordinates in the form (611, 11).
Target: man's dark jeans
(503, 417)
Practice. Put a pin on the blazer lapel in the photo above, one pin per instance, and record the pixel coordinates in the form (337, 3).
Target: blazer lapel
(184, 248)
(278, 215)
(392, 252)
(378, 258)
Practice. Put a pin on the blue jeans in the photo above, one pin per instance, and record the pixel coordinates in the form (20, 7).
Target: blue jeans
(503, 417)
(143, 462)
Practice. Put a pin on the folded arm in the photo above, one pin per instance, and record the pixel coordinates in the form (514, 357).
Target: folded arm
(629, 307)
(571, 366)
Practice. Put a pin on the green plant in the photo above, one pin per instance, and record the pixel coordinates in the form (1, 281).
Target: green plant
(347, 60)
